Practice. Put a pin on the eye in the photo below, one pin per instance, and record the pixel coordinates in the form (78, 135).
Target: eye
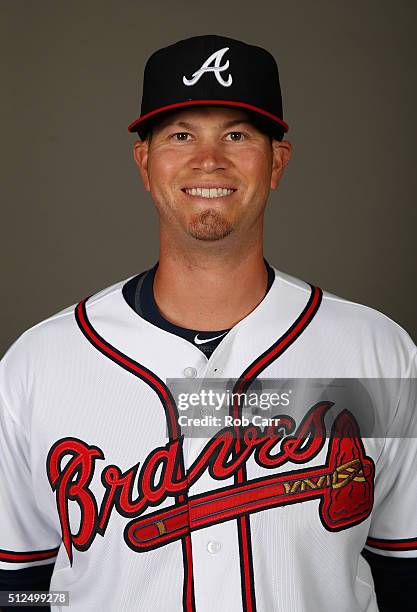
(236, 136)
(180, 136)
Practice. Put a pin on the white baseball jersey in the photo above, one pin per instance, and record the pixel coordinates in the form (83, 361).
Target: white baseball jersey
(96, 474)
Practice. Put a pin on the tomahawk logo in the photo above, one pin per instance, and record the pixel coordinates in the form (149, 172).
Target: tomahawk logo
(215, 67)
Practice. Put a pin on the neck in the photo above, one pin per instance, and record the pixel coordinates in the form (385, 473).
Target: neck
(210, 290)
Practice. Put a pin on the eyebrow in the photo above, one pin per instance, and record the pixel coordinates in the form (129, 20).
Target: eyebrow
(190, 126)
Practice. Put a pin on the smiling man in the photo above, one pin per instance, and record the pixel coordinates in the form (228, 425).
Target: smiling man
(209, 171)
(105, 494)
(237, 165)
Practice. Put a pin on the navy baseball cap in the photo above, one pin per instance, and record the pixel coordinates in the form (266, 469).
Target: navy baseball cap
(212, 70)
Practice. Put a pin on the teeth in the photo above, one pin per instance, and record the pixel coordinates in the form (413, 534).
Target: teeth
(216, 192)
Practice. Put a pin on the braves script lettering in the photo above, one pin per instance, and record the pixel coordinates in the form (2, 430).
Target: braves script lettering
(344, 484)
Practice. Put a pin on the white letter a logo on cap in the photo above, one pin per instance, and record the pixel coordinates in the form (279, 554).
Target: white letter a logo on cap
(216, 57)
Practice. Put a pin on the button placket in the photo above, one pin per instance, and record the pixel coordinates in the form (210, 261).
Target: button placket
(189, 372)
(213, 547)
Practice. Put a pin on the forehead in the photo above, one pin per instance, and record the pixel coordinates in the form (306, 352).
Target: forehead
(205, 115)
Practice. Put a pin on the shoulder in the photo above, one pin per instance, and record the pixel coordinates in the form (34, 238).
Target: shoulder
(346, 322)
(63, 320)
(48, 341)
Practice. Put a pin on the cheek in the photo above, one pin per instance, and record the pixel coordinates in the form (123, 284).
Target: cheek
(163, 166)
(257, 168)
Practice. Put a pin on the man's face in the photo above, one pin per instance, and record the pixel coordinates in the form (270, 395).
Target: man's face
(209, 171)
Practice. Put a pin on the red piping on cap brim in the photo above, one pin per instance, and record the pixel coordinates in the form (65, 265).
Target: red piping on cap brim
(209, 102)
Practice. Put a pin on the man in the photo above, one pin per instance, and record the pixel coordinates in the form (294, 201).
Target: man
(97, 471)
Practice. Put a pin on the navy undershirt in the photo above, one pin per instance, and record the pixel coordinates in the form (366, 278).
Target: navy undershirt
(138, 293)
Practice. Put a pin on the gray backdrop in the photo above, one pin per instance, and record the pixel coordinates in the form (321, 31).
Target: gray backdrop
(75, 217)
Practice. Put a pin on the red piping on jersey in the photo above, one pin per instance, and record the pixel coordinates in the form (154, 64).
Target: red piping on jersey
(110, 351)
(22, 557)
(245, 547)
(242, 384)
(408, 544)
(169, 403)
(189, 594)
(251, 107)
(290, 335)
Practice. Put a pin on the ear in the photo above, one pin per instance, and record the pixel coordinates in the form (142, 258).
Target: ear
(281, 155)
(140, 155)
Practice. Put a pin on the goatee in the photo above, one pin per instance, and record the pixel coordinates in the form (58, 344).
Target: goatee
(210, 225)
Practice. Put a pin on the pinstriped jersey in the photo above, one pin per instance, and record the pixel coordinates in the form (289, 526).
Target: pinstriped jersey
(98, 474)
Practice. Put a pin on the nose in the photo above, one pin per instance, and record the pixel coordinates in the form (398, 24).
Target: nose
(209, 157)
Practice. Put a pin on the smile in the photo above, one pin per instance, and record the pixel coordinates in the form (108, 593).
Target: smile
(216, 192)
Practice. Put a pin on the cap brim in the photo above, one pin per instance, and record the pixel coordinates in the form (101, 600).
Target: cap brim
(267, 121)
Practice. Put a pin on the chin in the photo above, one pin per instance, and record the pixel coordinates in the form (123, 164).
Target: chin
(210, 226)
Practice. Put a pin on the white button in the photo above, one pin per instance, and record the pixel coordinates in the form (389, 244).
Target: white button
(190, 372)
(213, 547)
